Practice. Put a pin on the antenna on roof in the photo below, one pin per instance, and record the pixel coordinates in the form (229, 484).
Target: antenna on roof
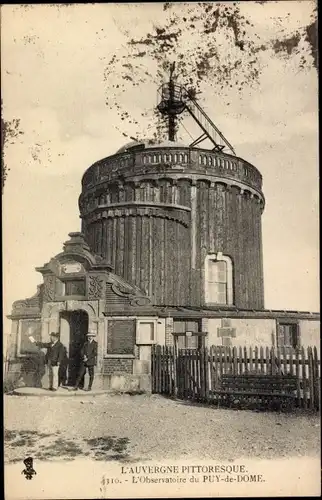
(174, 99)
(171, 103)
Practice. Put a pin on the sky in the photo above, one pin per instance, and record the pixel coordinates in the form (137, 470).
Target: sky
(65, 94)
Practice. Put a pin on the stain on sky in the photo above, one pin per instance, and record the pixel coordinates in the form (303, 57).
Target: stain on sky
(213, 44)
(235, 62)
(10, 132)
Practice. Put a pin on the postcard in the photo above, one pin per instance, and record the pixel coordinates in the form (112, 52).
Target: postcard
(160, 221)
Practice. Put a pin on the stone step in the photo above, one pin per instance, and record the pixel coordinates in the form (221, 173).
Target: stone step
(61, 392)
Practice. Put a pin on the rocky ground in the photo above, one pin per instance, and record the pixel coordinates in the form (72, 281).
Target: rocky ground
(129, 428)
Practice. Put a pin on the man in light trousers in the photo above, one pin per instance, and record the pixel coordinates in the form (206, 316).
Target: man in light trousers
(55, 356)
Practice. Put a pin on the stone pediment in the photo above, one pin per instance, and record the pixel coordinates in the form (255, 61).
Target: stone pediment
(78, 274)
(75, 259)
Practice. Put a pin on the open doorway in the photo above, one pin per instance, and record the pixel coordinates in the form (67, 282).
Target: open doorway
(73, 330)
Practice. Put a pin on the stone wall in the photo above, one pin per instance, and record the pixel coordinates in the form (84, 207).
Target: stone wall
(117, 365)
(253, 331)
(310, 333)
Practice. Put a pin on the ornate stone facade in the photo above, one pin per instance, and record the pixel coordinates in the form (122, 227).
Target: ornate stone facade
(95, 287)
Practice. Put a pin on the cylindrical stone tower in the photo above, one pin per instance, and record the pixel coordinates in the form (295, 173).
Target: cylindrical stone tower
(158, 212)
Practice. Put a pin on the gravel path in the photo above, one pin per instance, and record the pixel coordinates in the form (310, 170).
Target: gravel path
(150, 427)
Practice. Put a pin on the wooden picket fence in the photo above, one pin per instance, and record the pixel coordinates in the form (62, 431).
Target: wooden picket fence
(196, 373)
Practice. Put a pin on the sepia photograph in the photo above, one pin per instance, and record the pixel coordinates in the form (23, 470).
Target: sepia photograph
(161, 308)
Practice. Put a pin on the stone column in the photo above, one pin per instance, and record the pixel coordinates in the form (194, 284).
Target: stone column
(204, 328)
(99, 329)
(100, 324)
(65, 332)
(169, 341)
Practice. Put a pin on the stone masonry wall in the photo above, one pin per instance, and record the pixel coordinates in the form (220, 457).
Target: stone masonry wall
(112, 366)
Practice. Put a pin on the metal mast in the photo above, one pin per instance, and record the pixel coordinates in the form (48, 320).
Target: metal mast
(172, 115)
(171, 103)
(174, 99)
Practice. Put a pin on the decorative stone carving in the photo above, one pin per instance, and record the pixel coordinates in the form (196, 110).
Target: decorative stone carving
(120, 291)
(49, 288)
(95, 287)
(140, 301)
(135, 299)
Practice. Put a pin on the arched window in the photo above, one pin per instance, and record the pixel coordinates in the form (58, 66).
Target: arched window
(218, 279)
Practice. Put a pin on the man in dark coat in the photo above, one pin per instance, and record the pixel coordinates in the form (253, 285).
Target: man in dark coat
(55, 357)
(89, 360)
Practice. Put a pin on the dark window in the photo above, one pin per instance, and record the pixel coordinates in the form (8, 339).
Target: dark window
(288, 335)
(75, 287)
(121, 336)
(184, 340)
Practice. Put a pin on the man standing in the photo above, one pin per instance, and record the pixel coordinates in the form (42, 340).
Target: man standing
(55, 356)
(89, 360)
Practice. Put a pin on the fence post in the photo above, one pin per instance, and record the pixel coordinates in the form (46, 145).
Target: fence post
(272, 360)
(202, 375)
(256, 359)
(311, 376)
(235, 362)
(160, 369)
(211, 370)
(297, 373)
(188, 358)
(268, 364)
(175, 372)
(284, 360)
(194, 375)
(250, 359)
(167, 370)
(171, 369)
(153, 368)
(278, 361)
(317, 385)
(317, 379)
(246, 361)
(261, 354)
(240, 356)
(304, 379)
(206, 356)
(291, 359)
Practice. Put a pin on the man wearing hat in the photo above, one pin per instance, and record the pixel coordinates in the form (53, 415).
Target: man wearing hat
(89, 359)
(55, 357)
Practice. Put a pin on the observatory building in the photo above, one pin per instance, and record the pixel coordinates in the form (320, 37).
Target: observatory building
(170, 252)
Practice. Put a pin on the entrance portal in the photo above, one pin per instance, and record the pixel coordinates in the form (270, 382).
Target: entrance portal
(73, 330)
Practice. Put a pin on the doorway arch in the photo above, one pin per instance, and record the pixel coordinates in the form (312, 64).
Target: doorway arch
(73, 329)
